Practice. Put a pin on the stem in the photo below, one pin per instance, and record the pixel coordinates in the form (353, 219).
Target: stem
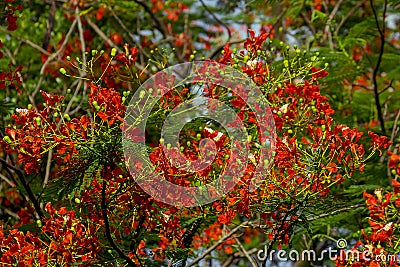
(378, 63)
(107, 224)
(26, 186)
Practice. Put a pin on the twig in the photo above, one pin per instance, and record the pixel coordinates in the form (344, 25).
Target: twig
(26, 186)
(222, 240)
(142, 52)
(238, 254)
(50, 25)
(245, 253)
(308, 22)
(28, 42)
(110, 43)
(378, 63)
(102, 35)
(160, 27)
(333, 212)
(328, 33)
(348, 15)
(8, 181)
(51, 57)
(219, 48)
(107, 225)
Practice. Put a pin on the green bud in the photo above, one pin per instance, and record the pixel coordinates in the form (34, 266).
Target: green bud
(77, 200)
(113, 52)
(30, 106)
(68, 58)
(55, 115)
(191, 58)
(39, 223)
(7, 139)
(94, 52)
(63, 71)
(67, 117)
(286, 63)
(38, 121)
(290, 131)
(142, 94)
(188, 143)
(323, 128)
(68, 91)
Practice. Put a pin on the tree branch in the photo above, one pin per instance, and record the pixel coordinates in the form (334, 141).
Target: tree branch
(107, 224)
(378, 63)
(160, 27)
(26, 186)
(222, 240)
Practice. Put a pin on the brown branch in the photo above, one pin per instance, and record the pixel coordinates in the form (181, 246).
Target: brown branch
(26, 186)
(378, 63)
(129, 33)
(160, 27)
(107, 225)
(245, 252)
(333, 212)
(28, 42)
(50, 25)
(222, 240)
(348, 15)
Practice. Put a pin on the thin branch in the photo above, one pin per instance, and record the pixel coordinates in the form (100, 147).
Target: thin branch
(328, 33)
(110, 43)
(51, 57)
(222, 240)
(378, 63)
(219, 48)
(8, 181)
(245, 253)
(348, 15)
(26, 186)
(333, 212)
(103, 35)
(160, 27)
(308, 22)
(129, 33)
(28, 42)
(50, 25)
(107, 226)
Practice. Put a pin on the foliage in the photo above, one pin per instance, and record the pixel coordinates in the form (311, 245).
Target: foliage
(328, 69)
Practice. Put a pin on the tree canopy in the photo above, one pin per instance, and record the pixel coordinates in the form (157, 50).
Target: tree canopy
(199, 133)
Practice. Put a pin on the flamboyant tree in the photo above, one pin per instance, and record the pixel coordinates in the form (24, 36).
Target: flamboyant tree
(73, 98)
